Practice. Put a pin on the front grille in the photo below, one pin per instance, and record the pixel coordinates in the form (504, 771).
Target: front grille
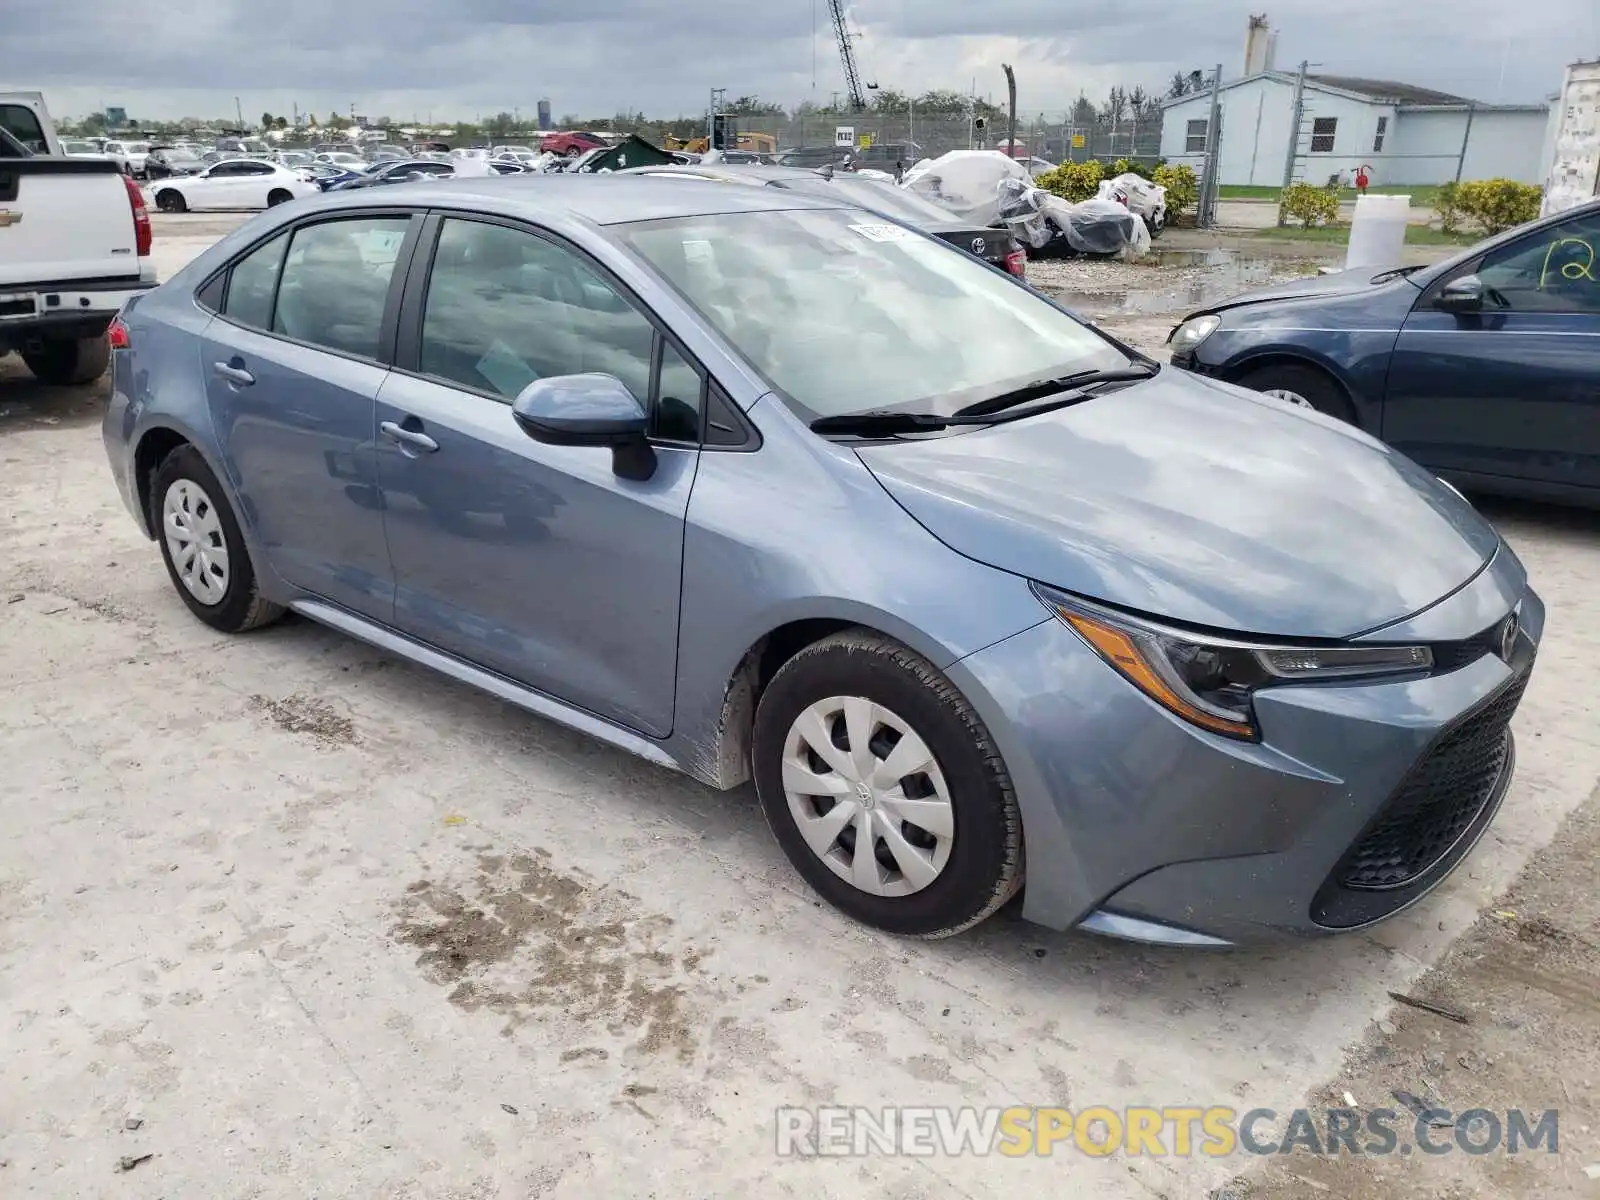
(1437, 801)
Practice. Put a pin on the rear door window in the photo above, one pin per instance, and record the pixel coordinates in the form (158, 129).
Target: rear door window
(335, 285)
(253, 282)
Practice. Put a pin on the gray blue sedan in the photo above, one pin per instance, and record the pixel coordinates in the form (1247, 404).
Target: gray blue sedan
(759, 485)
(1484, 368)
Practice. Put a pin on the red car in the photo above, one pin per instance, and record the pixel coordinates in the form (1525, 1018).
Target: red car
(570, 144)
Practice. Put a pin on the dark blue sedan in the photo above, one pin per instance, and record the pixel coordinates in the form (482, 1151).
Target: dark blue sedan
(1484, 368)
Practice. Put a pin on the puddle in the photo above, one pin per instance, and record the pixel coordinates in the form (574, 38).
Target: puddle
(1169, 282)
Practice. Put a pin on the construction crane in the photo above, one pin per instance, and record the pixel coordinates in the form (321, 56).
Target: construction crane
(847, 55)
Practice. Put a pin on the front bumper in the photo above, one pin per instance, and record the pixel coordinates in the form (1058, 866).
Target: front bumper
(1354, 805)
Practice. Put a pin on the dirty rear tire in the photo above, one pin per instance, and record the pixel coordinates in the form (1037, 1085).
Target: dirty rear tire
(242, 607)
(169, 201)
(62, 362)
(278, 196)
(985, 868)
(1317, 387)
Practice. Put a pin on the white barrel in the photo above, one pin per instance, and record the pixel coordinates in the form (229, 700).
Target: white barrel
(1378, 231)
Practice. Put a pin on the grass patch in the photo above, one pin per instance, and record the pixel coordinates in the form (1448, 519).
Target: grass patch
(1423, 195)
(1416, 235)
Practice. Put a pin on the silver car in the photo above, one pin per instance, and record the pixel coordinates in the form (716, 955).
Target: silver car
(760, 485)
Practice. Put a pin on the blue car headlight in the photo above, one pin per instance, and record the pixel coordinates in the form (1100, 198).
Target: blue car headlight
(1191, 333)
(1209, 681)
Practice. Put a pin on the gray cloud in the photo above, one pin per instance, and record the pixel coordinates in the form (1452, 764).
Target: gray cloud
(412, 57)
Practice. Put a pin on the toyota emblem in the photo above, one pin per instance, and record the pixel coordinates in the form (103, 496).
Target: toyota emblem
(1508, 637)
(979, 245)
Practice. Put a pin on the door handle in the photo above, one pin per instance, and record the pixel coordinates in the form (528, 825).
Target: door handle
(233, 374)
(408, 437)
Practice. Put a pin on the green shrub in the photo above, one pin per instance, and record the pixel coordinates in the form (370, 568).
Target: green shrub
(1448, 206)
(1073, 181)
(1131, 166)
(1498, 204)
(1183, 188)
(1310, 205)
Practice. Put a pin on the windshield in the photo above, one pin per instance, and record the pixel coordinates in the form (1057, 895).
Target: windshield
(79, 148)
(844, 314)
(138, 147)
(885, 198)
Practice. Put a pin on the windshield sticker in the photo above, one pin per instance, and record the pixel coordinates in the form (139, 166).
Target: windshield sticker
(698, 250)
(883, 233)
(502, 368)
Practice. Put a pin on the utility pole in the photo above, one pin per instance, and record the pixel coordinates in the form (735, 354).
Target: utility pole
(1211, 184)
(1296, 117)
(238, 111)
(718, 95)
(1466, 138)
(1011, 97)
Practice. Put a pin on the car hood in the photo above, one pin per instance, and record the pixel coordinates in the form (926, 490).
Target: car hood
(1199, 502)
(1340, 283)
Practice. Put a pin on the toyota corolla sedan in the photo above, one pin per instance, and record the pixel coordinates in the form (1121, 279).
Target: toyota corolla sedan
(759, 485)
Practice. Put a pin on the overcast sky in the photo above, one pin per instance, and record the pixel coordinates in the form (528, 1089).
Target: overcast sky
(461, 58)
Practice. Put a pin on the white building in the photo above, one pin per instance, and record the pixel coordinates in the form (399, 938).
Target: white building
(1402, 134)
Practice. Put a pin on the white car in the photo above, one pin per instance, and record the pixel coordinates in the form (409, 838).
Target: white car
(233, 183)
(342, 159)
(130, 156)
(80, 148)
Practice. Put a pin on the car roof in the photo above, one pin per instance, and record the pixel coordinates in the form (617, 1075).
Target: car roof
(610, 199)
(934, 220)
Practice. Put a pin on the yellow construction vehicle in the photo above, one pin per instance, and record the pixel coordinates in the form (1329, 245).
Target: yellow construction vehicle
(758, 143)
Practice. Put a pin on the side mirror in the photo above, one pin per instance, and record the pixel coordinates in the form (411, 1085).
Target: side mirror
(1464, 295)
(588, 410)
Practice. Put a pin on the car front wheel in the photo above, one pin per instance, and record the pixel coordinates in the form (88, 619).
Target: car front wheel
(885, 789)
(205, 553)
(1302, 385)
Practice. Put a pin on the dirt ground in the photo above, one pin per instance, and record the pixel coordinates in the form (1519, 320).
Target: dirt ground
(1526, 980)
(284, 916)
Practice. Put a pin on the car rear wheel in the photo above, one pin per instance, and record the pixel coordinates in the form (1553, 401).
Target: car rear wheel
(278, 196)
(205, 553)
(1303, 385)
(169, 201)
(63, 362)
(884, 788)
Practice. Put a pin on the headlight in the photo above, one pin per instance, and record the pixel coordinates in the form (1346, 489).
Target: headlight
(1209, 681)
(1194, 331)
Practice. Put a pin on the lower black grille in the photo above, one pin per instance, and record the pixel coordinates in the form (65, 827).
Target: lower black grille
(1436, 803)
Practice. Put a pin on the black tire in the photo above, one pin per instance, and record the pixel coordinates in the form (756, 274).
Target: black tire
(278, 196)
(63, 362)
(169, 201)
(241, 606)
(1316, 387)
(985, 866)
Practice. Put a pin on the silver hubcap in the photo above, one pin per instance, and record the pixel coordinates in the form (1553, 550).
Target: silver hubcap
(868, 796)
(195, 541)
(1291, 397)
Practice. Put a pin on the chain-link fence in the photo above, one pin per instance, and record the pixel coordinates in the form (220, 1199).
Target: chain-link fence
(935, 134)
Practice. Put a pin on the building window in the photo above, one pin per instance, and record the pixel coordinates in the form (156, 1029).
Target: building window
(1194, 139)
(1383, 128)
(1322, 134)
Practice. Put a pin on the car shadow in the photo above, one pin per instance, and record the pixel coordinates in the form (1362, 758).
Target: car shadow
(25, 403)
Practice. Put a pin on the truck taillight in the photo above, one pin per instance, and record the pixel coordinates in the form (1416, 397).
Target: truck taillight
(117, 334)
(142, 232)
(1017, 263)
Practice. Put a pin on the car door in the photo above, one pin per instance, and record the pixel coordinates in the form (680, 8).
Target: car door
(252, 184)
(536, 561)
(293, 364)
(1511, 391)
(216, 188)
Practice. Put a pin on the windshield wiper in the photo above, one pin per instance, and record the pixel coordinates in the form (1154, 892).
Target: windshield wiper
(1395, 273)
(1041, 388)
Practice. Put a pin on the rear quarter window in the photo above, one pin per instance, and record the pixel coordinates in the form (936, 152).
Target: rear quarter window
(22, 123)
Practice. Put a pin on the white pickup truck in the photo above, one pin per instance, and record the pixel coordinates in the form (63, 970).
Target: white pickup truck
(74, 246)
